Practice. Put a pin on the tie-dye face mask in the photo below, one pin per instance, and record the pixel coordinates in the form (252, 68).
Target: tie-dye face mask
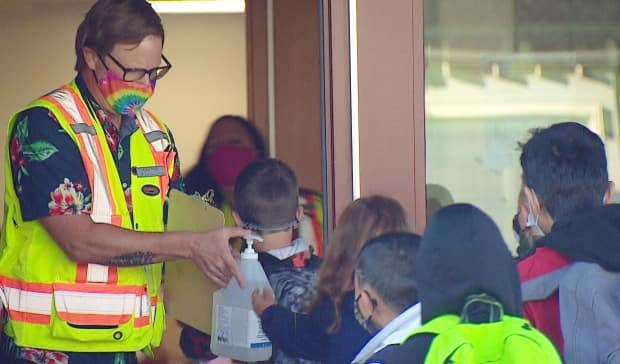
(124, 97)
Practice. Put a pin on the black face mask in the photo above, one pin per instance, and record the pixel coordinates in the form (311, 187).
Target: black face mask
(365, 323)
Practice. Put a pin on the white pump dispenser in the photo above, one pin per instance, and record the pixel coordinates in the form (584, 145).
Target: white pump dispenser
(236, 330)
(249, 252)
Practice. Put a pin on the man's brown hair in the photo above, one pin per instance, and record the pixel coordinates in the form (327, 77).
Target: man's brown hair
(109, 22)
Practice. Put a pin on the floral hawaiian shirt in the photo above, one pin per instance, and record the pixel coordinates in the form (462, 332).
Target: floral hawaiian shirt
(47, 167)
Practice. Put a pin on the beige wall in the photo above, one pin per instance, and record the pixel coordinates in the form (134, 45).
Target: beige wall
(207, 52)
(208, 78)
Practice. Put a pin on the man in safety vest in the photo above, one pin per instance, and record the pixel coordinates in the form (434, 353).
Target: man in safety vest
(88, 172)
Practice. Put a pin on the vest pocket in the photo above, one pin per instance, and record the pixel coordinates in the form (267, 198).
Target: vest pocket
(95, 312)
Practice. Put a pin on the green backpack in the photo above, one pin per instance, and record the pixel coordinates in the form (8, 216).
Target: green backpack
(503, 340)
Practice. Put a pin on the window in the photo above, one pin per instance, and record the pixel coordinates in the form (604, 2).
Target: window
(498, 68)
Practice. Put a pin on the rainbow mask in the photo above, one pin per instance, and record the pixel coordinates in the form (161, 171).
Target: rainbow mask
(124, 97)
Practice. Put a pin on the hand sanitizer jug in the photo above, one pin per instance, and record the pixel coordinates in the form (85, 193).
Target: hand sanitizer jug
(236, 331)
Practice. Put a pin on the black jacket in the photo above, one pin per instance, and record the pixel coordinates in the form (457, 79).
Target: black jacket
(592, 237)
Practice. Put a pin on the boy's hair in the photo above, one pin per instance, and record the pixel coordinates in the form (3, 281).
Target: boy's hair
(387, 264)
(566, 166)
(109, 22)
(267, 195)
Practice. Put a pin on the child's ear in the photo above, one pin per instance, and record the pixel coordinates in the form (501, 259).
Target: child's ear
(237, 219)
(300, 214)
(609, 193)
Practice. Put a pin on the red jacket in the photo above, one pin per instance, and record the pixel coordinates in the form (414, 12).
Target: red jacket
(544, 314)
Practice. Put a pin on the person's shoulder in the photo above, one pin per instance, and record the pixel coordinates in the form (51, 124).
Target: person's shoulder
(388, 355)
(543, 260)
(35, 123)
(413, 350)
(294, 269)
(36, 114)
(314, 262)
(598, 280)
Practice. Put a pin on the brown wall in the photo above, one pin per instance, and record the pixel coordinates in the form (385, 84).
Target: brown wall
(297, 88)
(256, 35)
(297, 82)
(391, 89)
(337, 108)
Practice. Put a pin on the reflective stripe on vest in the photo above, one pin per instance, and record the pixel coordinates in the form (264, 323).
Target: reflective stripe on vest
(90, 304)
(67, 100)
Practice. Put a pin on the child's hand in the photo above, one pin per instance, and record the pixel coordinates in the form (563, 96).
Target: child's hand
(260, 301)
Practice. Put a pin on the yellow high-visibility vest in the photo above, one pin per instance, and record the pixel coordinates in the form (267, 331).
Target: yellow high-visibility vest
(56, 304)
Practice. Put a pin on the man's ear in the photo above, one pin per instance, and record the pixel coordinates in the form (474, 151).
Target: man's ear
(90, 57)
(356, 281)
(237, 219)
(522, 208)
(545, 220)
(609, 193)
(534, 203)
(375, 300)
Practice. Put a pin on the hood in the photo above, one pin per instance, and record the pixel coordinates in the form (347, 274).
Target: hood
(592, 237)
(462, 253)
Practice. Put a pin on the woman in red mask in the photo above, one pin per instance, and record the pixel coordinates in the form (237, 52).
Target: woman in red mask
(232, 143)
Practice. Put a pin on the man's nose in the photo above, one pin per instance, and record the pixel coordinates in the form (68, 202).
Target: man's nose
(144, 80)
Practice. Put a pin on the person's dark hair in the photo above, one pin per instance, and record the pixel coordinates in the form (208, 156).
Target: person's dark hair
(267, 195)
(109, 22)
(198, 179)
(462, 253)
(566, 166)
(387, 263)
(362, 220)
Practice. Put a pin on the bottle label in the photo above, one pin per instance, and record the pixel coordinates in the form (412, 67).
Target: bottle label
(239, 327)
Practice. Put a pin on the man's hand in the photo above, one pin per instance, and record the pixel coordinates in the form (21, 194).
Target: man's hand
(260, 301)
(213, 255)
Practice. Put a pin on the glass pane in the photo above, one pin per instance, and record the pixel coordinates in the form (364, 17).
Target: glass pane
(496, 69)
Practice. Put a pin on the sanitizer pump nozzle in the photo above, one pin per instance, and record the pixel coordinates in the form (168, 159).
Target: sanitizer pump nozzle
(249, 252)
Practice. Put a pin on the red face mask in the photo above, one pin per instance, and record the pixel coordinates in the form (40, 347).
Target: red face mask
(226, 161)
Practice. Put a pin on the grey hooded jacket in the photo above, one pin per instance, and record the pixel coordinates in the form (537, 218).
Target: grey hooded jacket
(589, 288)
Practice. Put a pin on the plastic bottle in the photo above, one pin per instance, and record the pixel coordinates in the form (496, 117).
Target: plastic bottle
(236, 330)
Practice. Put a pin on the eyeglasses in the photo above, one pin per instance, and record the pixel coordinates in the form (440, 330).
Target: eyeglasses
(135, 74)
